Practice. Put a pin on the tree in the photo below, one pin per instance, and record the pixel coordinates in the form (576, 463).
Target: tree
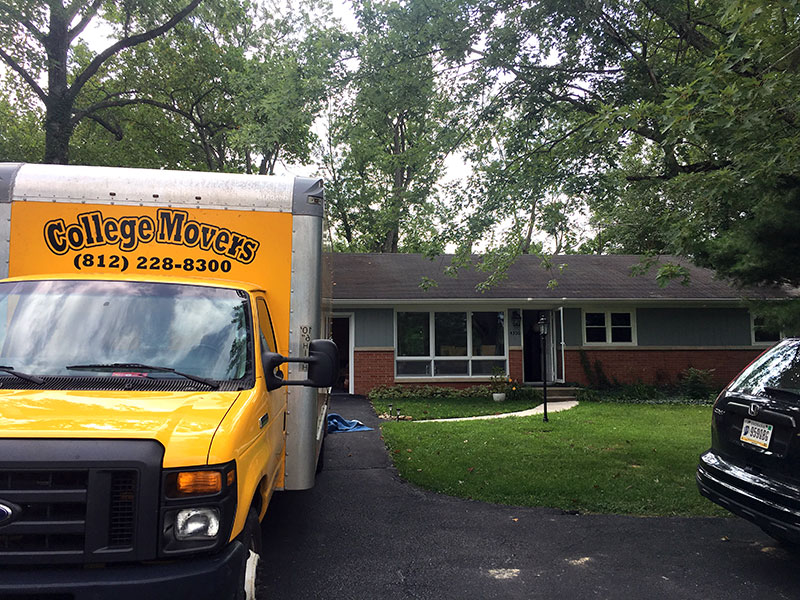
(676, 122)
(391, 134)
(40, 41)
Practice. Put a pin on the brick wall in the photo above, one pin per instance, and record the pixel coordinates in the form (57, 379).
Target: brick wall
(658, 366)
(372, 368)
(515, 364)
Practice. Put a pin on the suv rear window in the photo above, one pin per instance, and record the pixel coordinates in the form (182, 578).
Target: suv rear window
(777, 369)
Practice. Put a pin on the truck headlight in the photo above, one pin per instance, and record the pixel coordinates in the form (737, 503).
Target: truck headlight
(198, 508)
(196, 524)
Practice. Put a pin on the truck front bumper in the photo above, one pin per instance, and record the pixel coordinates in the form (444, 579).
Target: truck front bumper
(212, 577)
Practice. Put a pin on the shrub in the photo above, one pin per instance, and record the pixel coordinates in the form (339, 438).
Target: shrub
(390, 393)
(697, 384)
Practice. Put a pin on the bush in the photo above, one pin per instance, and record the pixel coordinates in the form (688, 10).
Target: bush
(697, 384)
(640, 393)
(389, 393)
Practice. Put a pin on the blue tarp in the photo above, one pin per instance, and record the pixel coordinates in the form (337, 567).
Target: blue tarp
(338, 424)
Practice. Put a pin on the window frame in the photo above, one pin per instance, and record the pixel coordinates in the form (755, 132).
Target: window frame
(432, 358)
(608, 326)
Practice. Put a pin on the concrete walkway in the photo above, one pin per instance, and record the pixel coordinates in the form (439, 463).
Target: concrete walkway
(551, 408)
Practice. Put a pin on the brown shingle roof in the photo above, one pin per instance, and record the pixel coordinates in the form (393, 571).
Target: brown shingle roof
(398, 277)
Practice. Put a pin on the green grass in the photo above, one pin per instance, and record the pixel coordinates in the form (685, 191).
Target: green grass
(596, 458)
(448, 408)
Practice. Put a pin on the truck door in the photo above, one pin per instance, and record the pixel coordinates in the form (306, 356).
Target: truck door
(276, 401)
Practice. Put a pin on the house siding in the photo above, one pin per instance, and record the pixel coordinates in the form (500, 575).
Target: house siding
(693, 327)
(374, 327)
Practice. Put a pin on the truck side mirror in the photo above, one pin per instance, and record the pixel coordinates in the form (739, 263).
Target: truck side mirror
(323, 359)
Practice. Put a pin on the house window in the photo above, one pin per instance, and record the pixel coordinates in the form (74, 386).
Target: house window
(763, 333)
(608, 327)
(450, 343)
(414, 342)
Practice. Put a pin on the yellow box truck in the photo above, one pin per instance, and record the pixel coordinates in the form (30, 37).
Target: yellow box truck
(160, 376)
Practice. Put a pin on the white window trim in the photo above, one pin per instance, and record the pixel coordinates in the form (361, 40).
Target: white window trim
(432, 358)
(607, 312)
(761, 344)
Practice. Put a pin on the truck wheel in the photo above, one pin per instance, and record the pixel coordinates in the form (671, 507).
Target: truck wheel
(251, 538)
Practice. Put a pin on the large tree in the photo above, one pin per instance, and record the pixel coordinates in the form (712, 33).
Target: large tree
(676, 122)
(40, 42)
(391, 130)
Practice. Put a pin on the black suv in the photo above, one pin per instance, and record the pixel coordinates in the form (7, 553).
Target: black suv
(753, 466)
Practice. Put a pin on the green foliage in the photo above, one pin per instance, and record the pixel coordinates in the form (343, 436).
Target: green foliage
(434, 402)
(393, 126)
(606, 458)
(698, 384)
(390, 393)
(21, 137)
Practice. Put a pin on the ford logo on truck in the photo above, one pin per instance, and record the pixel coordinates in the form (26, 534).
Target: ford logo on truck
(7, 513)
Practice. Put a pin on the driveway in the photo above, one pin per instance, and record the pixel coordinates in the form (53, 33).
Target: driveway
(362, 533)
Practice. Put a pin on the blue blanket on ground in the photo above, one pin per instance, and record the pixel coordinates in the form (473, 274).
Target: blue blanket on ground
(338, 424)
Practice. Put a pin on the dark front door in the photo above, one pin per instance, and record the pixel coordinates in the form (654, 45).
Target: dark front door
(532, 345)
(340, 334)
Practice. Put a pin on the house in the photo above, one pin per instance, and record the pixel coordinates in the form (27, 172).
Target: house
(400, 319)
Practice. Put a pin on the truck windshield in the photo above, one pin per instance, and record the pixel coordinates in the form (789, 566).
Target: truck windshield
(49, 325)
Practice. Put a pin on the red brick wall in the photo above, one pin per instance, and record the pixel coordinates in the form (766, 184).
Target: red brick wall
(515, 364)
(658, 366)
(372, 368)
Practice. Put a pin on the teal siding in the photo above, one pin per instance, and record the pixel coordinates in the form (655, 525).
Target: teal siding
(693, 327)
(374, 327)
(573, 336)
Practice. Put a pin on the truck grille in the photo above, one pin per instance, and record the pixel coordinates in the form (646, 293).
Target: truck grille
(123, 509)
(79, 511)
(52, 515)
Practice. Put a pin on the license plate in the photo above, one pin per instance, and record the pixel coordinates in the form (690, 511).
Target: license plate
(756, 433)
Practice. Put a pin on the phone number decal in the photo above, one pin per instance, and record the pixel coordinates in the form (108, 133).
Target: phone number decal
(149, 263)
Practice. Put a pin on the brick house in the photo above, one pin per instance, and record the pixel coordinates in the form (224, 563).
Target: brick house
(602, 322)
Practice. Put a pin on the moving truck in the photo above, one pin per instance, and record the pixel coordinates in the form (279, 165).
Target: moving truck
(160, 376)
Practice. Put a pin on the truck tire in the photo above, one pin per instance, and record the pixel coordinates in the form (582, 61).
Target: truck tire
(251, 538)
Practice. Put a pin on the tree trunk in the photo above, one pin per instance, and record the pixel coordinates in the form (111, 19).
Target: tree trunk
(58, 116)
(58, 131)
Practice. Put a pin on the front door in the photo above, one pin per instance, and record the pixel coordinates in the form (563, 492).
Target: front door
(532, 345)
(340, 334)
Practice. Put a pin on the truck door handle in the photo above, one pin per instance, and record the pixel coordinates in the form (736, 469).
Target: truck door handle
(263, 420)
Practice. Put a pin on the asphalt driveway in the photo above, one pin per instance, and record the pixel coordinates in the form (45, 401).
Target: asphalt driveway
(362, 533)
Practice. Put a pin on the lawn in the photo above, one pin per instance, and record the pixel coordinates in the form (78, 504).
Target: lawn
(595, 458)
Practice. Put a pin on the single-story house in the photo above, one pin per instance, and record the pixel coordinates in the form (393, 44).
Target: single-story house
(601, 321)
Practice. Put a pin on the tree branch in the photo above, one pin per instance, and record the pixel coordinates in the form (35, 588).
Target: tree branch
(87, 17)
(109, 126)
(24, 74)
(128, 42)
(681, 25)
(699, 167)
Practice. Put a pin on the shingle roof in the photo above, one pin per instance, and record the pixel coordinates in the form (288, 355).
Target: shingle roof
(398, 276)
